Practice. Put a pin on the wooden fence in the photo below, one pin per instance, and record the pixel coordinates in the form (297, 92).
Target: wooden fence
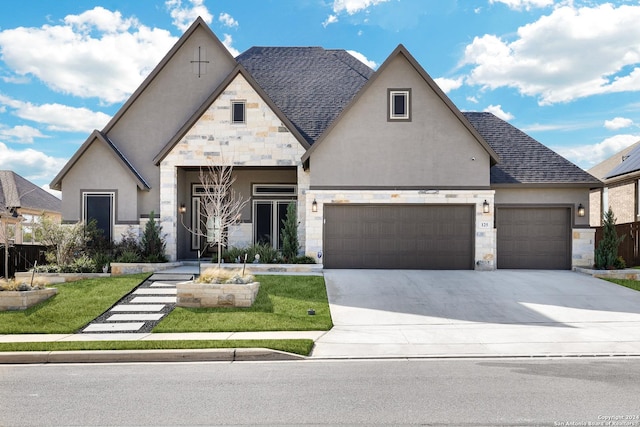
(629, 249)
(21, 258)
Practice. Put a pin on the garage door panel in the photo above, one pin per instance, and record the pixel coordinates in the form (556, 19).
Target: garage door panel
(534, 238)
(399, 236)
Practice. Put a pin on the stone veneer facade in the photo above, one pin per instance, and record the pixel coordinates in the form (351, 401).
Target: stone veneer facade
(262, 140)
(485, 236)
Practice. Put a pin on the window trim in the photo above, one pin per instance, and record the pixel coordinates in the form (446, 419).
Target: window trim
(391, 94)
(292, 193)
(233, 112)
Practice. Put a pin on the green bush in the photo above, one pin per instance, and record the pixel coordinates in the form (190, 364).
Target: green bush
(606, 254)
(83, 264)
(129, 257)
(267, 255)
(289, 234)
(152, 243)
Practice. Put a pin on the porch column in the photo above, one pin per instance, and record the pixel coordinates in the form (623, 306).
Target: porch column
(169, 207)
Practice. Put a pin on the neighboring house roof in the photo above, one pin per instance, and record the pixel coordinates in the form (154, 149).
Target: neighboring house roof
(523, 160)
(310, 85)
(100, 138)
(626, 162)
(602, 169)
(16, 191)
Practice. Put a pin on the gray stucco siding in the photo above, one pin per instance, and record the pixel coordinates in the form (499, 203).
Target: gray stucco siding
(433, 149)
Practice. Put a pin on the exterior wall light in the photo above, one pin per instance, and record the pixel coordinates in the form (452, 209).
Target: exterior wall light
(182, 209)
(314, 206)
(485, 207)
(580, 210)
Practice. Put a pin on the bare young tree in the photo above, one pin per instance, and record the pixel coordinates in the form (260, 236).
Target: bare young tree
(9, 217)
(221, 206)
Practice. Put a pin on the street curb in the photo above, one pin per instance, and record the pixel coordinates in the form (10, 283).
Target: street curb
(132, 356)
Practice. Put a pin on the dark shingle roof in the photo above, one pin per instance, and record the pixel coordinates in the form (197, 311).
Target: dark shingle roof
(630, 163)
(523, 160)
(310, 85)
(28, 194)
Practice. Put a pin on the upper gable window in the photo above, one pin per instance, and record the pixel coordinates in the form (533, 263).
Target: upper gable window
(399, 103)
(238, 112)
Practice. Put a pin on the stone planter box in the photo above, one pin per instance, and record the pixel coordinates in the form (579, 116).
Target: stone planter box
(21, 300)
(196, 295)
(54, 278)
(120, 268)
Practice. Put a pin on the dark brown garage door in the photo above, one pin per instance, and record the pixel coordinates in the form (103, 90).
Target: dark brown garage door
(535, 238)
(399, 236)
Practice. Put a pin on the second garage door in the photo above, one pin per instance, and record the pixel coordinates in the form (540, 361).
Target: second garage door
(399, 236)
(535, 238)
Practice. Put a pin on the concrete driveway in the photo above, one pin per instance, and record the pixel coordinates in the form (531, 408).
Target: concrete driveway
(408, 313)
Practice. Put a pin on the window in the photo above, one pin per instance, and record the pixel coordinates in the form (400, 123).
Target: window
(238, 112)
(30, 230)
(274, 189)
(400, 104)
(268, 221)
(99, 207)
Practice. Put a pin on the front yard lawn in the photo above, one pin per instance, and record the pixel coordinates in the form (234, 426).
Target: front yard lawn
(632, 284)
(75, 305)
(281, 305)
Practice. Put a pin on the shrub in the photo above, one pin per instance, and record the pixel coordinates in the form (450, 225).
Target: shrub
(223, 275)
(83, 264)
(102, 260)
(128, 243)
(606, 254)
(304, 259)
(289, 234)
(129, 257)
(153, 244)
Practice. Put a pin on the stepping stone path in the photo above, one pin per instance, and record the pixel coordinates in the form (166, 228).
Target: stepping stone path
(143, 308)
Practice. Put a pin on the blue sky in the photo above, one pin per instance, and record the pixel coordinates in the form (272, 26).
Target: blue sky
(565, 71)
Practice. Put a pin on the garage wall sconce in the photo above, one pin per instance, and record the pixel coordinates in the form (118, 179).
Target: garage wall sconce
(182, 209)
(485, 207)
(314, 206)
(580, 210)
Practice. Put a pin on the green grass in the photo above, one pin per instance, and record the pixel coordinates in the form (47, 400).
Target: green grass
(632, 284)
(75, 305)
(281, 305)
(302, 346)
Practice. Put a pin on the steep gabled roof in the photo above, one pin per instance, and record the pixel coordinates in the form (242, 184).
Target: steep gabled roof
(238, 70)
(602, 169)
(401, 50)
(99, 137)
(16, 191)
(525, 160)
(310, 85)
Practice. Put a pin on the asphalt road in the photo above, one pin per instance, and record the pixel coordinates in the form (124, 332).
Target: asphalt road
(520, 392)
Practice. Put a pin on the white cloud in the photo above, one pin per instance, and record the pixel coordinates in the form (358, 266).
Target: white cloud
(447, 85)
(524, 4)
(95, 54)
(227, 41)
(183, 16)
(587, 156)
(331, 19)
(498, 112)
(57, 117)
(618, 123)
(48, 189)
(21, 134)
(227, 20)
(354, 6)
(360, 57)
(549, 60)
(31, 164)
(472, 99)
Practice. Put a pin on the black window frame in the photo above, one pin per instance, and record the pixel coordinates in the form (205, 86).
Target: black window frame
(392, 95)
(234, 112)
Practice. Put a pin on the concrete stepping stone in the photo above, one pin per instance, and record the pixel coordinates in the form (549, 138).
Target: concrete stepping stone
(138, 307)
(111, 327)
(172, 277)
(135, 317)
(166, 300)
(162, 285)
(147, 291)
